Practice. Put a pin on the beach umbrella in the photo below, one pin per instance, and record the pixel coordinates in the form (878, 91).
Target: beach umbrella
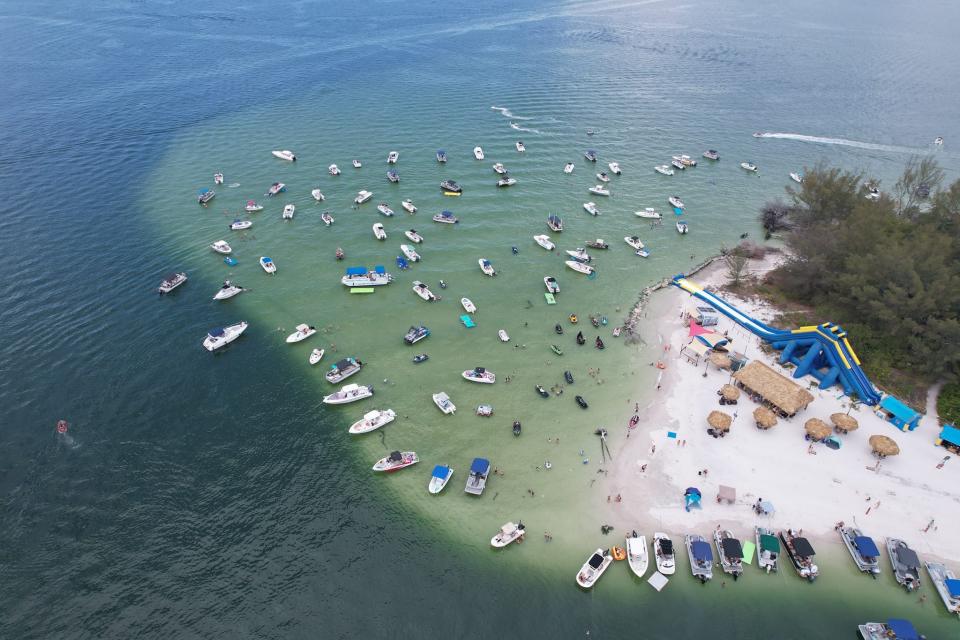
(720, 361)
(817, 429)
(719, 420)
(766, 507)
(764, 417)
(729, 392)
(884, 446)
(843, 422)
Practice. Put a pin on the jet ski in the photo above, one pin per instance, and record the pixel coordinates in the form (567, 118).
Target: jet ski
(598, 343)
(543, 392)
(558, 329)
(568, 377)
(580, 401)
(580, 339)
(516, 427)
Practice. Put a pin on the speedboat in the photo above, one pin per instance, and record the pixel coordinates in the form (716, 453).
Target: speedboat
(552, 285)
(555, 223)
(568, 168)
(343, 369)
(521, 147)
(678, 165)
(285, 154)
(499, 168)
(228, 290)
(543, 392)
(579, 267)
(348, 393)
(487, 267)
(710, 154)
(768, 549)
(682, 227)
(593, 568)
(664, 169)
(333, 170)
(171, 282)
(568, 377)
(905, 563)
(327, 218)
(502, 334)
(686, 161)
(676, 202)
(663, 554)
(579, 254)
(379, 232)
(205, 195)
(508, 533)
(396, 461)
(218, 178)
(603, 177)
(730, 552)
(873, 192)
(649, 213)
(599, 190)
(303, 332)
(240, 225)
(468, 305)
(221, 247)
(637, 555)
(544, 241)
(253, 207)
(441, 155)
(506, 181)
(597, 244)
(590, 155)
(801, 554)
(318, 195)
(796, 177)
(446, 217)
(408, 251)
(442, 400)
(479, 374)
(268, 265)
(701, 557)
(423, 291)
(478, 153)
(477, 481)
(614, 168)
(372, 420)
(581, 402)
(360, 277)
(862, 549)
(362, 196)
(413, 236)
(938, 141)
(392, 157)
(393, 176)
(408, 206)
(288, 211)
(749, 166)
(223, 336)
(947, 585)
(416, 334)
(275, 188)
(439, 478)
(634, 242)
(517, 428)
(385, 209)
(451, 186)
(356, 164)
(316, 356)
(591, 208)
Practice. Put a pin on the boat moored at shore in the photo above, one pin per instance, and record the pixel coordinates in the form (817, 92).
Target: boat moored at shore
(594, 568)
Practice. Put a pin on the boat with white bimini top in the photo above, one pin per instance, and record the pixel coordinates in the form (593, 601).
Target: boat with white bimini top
(415, 334)
(614, 168)
(487, 267)
(423, 291)
(284, 154)
(409, 252)
(303, 332)
(372, 420)
(522, 147)
(503, 335)
(749, 166)
(634, 242)
(222, 336)
(396, 461)
(360, 277)
(356, 164)
(508, 533)
(318, 195)
(252, 206)
(385, 209)
(663, 169)
(413, 236)
(637, 555)
(439, 478)
(478, 153)
(599, 190)
(316, 356)
(363, 196)
(947, 585)
(333, 170)
(649, 213)
(551, 284)
(676, 202)
(579, 254)
(327, 218)
(349, 393)
(730, 552)
(468, 305)
(701, 557)
(268, 264)
(905, 563)
(479, 374)
(801, 554)
(591, 208)
(663, 554)
(221, 247)
(499, 168)
(593, 568)
(343, 369)
(544, 241)
(568, 168)
(228, 290)
(682, 227)
(579, 267)
(240, 225)
(275, 188)
(796, 177)
(446, 217)
(379, 232)
(862, 549)
(768, 549)
(288, 211)
(408, 206)
(477, 480)
(392, 157)
(443, 402)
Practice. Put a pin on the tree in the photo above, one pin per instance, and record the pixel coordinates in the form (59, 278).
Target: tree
(775, 217)
(921, 177)
(736, 260)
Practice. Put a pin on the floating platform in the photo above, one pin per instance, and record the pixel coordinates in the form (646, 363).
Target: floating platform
(550, 299)
(362, 290)
(467, 321)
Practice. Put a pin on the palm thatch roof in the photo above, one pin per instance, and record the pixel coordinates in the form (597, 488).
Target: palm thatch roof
(783, 394)
(720, 361)
(719, 420)
(817, 428)
(843, 422)
(884, 446)
(729, 392)
(764, 417)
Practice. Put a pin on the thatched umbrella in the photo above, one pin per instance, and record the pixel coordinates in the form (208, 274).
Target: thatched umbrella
(729, 392)
(884, 446)
(843, 422)
(719, 420)
(720, 361)
(817, 429)
(764, 417)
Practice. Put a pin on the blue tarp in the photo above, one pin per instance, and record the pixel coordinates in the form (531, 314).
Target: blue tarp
(953, 586)
(951, 434)
(692, 490)
(701, 551)
(866, 546)
(480, 465)
(440, 471)
(902, 629)
(356, 271)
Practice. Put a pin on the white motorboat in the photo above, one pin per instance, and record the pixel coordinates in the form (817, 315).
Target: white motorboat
(905, 564)
(361, 277)
(749, 166)
(499, 168)
(862, 549)
(568, 168)
(544, 241)
(678, 165)
(768, 548)
(342, 370)
(275, 188)
(393, 176)
(711, 154)
(222, 336)
(479, 374)
(385, 209)
(284, 154)
(441, 155)
(634, 242)
(349, 393)
(682, 227)
(599, 190)
(318, 195)
(614, 168)
(579, 267)
(363, 196)
(228, 290)
(551, 284)
(218, 178)
(327, 218)
(521, 147)
(487, 267)
(316, 356)
(676, 202)
(439, 478)
(649, 213)
(701, 557)
(268, 264)
(593, 568)
(664, 169)
(333, 170)
(590, 155)
(506, 181)
(478, 153)
(445, 217)
(468, 305)
(477, 480)
(946, 584)
(637, 555)
(938, 141)
(686, 161)
(591, 208)
(796, 177)
(372, 420)
(442, 400)
(449, 186)
(303, 332)
(408, 251)
(409, 206)
(503, 335)
(730, 552)
(288, 211)
(423, 291)
(240, 225)
(221, 247)
(579, 254)
(603, 177)
(379, 232)
(356, 164)
(663, 554)
(396, 461)
(508, 533)
(873, 192)
(253, 207)
(413, 236)
(392, 157)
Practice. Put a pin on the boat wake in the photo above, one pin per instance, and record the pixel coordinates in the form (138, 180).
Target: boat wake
(837, 141)
(233, 185)
(506, 113)
(514, 125)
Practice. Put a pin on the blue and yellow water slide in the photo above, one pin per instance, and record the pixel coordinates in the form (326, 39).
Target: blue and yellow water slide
(822, 351)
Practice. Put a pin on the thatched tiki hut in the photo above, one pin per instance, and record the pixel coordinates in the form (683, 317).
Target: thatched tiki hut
(817, 429)
(779, 393)
(884, 446)
(719, 421)
(844, 423)
(729, 394)
(764, 418)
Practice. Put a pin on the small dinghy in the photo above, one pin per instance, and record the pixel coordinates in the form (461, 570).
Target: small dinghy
(581, 402)
(338, 254)
(317, 195)
(268, 264)
(356, 164)
(240, 225)
(408, 206)
(326, 218)
(379, 232)
(637, 556)
(385, 209)
(439, 478)
(593, 568)
(228, 290)
(316, 356)
(517, 428)
(396, 461)
(556, 349)
(543, 392)
(413, 236)
(420, 357)
(487, 267)
(580, 339)
(508, 533)
(484, 410)
(230, 262)
(288, 211)
(372, 420)
(503, 335)
(303, 332)
(558, 329)
(468, 305)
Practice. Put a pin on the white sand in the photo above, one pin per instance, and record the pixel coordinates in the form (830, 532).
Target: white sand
(812, 492)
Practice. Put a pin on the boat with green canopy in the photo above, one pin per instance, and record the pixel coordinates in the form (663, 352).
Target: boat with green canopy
(769, 549)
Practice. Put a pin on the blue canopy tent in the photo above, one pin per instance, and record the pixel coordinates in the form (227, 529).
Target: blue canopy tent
(899, 414)
(440, 471)
(480, 466)
(380, 269)
(692, 498)
(902, 629)
(949, 435)
(866, 546)
(701, 551)
(356, 271)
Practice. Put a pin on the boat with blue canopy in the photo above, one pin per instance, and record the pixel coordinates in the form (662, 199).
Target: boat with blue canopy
(946, 584)
(701, 557)
(479, 470)
(361, 277)
(892, 629)
(862, 549)
(439, 478)
(205, 195)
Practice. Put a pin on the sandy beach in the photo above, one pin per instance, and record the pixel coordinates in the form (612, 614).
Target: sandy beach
(812, 488)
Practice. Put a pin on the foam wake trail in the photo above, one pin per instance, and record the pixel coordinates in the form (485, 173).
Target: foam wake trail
(839, 141)
(514, 125)
(506, 113)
